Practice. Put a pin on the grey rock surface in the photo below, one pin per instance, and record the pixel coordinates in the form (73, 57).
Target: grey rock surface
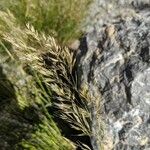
(115, 57)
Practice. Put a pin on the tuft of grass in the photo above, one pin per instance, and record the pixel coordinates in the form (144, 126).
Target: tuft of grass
(60, 18)
(32, 39)
(43, 134)
(79, 107)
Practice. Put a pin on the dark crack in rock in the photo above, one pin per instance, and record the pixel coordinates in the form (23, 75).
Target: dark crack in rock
(117, 59)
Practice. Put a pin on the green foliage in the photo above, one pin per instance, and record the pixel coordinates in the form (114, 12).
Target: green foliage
(46, 137)
(60, 18)
(24, 121)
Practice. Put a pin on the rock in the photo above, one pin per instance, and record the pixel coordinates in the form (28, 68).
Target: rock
(115, 58)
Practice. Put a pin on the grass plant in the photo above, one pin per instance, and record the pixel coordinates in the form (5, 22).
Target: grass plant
(35, 34)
